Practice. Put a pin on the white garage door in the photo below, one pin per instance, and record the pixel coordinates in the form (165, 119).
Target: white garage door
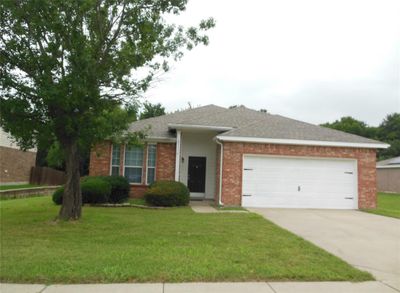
(287, 182)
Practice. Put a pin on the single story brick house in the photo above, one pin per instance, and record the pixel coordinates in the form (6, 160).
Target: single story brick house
(15, 164)
(244, 157)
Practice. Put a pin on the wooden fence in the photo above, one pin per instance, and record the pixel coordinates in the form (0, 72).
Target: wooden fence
(46, 176)
(388, 179)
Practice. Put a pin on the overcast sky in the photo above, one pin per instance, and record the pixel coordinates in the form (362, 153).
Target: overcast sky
(314, 61)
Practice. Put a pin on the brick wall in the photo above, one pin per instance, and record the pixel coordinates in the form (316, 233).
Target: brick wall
(165, 165)
(100, 159)
(217, 174)
(232, 167)
(15, 165)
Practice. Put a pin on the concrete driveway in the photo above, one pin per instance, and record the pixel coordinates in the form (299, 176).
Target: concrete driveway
(366, 241)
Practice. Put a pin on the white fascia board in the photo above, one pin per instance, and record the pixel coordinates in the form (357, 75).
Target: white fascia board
(199, 127)
(303, 142)
(388, 167)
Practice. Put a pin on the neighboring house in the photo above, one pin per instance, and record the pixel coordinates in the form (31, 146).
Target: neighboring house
(388, 175)
(245, 157)
(15, 165)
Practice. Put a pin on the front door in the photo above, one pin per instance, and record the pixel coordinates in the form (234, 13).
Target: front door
(197, 175)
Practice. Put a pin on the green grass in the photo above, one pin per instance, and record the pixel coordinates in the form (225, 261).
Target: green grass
(388, 205)
(17, 186)
(140, 245)
(137, 201)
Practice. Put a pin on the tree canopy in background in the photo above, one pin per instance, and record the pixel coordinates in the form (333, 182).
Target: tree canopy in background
(388, 131)
(151, 110)
(67, 68)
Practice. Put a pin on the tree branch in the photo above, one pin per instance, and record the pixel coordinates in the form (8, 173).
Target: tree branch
(116, 33)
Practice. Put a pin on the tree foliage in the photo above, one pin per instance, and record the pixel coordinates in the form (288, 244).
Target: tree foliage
(354, 126)
(152, 110)
(67, 66)
(388, 131)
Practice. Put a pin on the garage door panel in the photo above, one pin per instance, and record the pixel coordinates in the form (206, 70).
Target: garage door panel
(283, 201)
(258, 183)
(299, 183)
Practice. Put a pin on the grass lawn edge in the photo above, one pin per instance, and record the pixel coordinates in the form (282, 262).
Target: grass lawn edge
(388, 205)
(195, 241)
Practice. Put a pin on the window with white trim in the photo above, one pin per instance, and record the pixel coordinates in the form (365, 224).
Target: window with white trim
(115, 159)
(151, 163)
(134, 163)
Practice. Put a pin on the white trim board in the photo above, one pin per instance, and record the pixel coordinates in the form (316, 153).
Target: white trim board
(303, 142)
(177, 154)
(147, 163)
(388, 167)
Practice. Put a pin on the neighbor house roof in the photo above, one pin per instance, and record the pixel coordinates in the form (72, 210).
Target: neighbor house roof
(389, 163)
(243, 124)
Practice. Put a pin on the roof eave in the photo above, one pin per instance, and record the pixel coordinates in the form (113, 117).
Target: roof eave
(302, 142)
(388, 166)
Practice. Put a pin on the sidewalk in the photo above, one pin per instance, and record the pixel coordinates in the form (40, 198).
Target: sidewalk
(264, 287)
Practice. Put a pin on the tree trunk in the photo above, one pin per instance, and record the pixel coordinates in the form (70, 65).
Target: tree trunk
(72, 198)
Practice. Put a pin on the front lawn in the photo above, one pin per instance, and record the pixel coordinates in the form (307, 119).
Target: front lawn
(137, 201)
(228, 208)
(388, 205)
(169, 245)
(17, 186)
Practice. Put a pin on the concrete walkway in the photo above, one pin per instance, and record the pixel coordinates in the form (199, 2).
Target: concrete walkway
(366, 241)
(202, 207)
(251, 287)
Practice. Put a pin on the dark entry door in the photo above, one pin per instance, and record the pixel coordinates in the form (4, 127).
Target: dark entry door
(197, 174)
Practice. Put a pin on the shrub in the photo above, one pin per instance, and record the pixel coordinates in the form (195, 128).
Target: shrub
(119, 188)
(167, 194)
(95, 190)
(57, 195)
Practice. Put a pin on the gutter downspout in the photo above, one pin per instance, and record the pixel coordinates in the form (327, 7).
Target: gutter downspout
(220, 171)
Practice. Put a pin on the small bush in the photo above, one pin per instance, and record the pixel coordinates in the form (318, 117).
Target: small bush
(119, 188)
(58, 195)
(167, 194)
(95, 190)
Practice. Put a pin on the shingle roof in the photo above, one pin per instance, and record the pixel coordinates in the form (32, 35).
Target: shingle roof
(389, 162)
(246, 123)
(158, 126)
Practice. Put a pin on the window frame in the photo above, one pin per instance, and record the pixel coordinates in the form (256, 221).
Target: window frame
(132, 166)
(111, 159)
(147, 162)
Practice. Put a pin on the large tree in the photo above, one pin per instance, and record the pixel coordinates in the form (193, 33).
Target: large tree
(66, 67)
